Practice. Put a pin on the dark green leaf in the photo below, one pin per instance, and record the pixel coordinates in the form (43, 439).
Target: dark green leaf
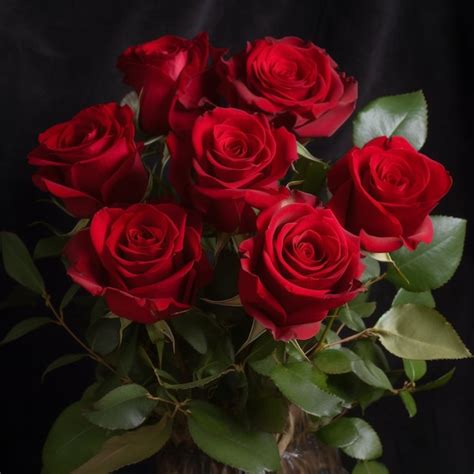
(62, 361)
(404, 115)
(370, 467)
(367, 446)
(190, 327)
(424, 298)
(339, 433)
(431, 265)
(71, 441)
(297, 382)
(69, 295)
(414, 369)
(49, 247)
(409, 402)
(332, 361)
(104, 335)
(128, 448)
(222, 438)
(417, 332)
(311, 173)
(195, 383)
(24, 327)
(351, 319)
(439, 382)
(124, 408)
(18, 263)
(128, 351)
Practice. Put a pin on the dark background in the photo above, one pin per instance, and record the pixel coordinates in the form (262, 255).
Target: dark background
(58, 57)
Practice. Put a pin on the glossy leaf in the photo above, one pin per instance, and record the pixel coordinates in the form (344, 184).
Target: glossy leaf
(124, 408)
(417, 332)
(24, 327)
(409, 403)
(369, 373)
(128, 448)
(296, 382)
(189, 326)
(19, 264)
(223, 439)
(367, 446)
(431, 265)
(351, 318)
(104, 335)
(414, 369)
(339, 433)
(71, 441)
(403, 115)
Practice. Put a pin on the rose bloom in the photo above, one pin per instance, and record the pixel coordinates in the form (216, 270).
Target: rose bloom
(146, 261)
(228, 156)
(294, 82)
(384, 192)
(173, 79)
(301, 264)
(91, 161)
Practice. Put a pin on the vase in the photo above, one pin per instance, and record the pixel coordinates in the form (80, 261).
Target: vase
(300, 450)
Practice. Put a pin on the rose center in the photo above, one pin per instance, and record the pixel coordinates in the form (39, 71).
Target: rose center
(143, 235)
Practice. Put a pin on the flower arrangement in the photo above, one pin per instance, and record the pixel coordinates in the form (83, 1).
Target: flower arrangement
(222, 274)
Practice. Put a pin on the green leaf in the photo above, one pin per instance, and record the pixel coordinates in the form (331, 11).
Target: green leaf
(71, 441)
(369, 373)
(372, 269)
(414, 369)
(363, 307)
(409, 403)
(332, 361)
(424, 298)
(196, 383)
(24, 327)
(189, 327)
(296, 382)
(62, 361)
(370, 467)
(69, 295)
(367, 446)
(18, 263)
(403, 115)
(104, 335)
(351, 319)
(124, 408)
(128, 448)
(128, 351)
(439, 382)
(268, 414)
(417, 332)
(431, 265)
(339, 433)
(49, 247)
(222, 438)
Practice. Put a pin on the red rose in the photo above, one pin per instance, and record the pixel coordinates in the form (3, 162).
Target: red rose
(173, 78)
(146, 260)
(384, 193)
(91, 161)
(227, 156)
(292, 81)
(301, 264)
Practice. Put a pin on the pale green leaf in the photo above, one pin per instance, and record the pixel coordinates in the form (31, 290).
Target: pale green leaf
(417, 332)
(409, 403)
(332, 361)
(424, 298)
(339, 433)
(367, 446)
(414, 369)
(369, 467)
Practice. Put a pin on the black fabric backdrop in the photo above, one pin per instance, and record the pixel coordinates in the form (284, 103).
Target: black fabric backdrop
(58, 57)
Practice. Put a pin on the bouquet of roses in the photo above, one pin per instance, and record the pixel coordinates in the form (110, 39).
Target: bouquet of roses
(222, 274)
